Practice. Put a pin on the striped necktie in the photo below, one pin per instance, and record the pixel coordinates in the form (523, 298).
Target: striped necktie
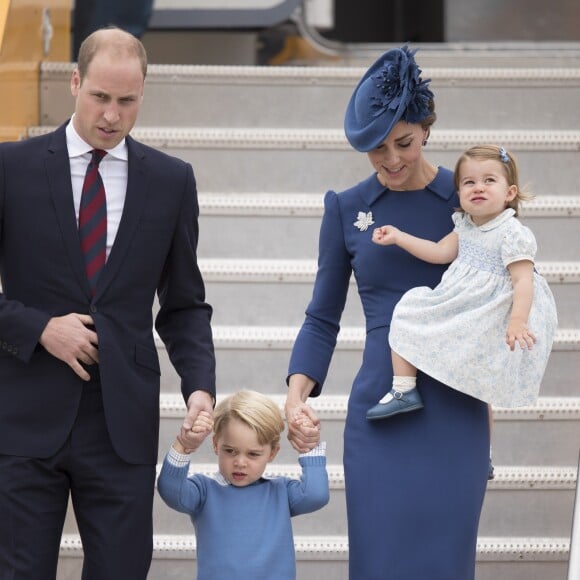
(93, 220)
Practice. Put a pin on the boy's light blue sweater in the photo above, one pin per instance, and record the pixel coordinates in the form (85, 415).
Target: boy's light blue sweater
(244, 532)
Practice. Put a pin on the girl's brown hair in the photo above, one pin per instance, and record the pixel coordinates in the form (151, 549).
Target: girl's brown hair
(508, 162)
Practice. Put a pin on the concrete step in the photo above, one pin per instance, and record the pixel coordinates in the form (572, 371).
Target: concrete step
(288, 225)
(298, 96)
(260, 292)
(300, 160)
(520, 501)
(240, 351)
(529, 501)
(326, 558)
(297, 238)
(544, 434)
(293, 204)
(292, 232)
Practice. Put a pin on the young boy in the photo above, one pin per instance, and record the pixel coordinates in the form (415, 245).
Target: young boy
(242, 519)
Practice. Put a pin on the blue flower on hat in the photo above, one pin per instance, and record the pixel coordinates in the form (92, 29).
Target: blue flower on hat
(391, 90)
(399, 84)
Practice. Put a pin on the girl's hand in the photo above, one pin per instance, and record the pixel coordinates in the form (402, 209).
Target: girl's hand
(385, 235)
(517, 332)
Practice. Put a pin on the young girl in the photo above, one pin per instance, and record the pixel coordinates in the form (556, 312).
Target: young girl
(489, 296)
(241, 518)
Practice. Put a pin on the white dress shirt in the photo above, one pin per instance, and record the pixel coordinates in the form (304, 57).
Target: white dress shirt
(113, 169)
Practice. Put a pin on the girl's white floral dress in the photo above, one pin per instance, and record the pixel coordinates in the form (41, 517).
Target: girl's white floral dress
(456, 332)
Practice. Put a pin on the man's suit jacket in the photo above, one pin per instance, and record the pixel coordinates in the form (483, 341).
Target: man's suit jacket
(42, 274)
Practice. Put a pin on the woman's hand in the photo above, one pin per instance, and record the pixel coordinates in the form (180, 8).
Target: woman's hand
(303, 427)
(303, 424)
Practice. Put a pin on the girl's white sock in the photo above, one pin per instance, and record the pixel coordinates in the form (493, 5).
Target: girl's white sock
(401, 384)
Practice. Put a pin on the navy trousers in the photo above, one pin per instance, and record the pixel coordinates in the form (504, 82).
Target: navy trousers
(112, 501)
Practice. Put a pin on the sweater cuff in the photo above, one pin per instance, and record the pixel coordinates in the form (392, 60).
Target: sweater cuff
(177, 459)
(318, 451)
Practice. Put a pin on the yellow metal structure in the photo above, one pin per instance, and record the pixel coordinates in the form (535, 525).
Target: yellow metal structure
(31, 31)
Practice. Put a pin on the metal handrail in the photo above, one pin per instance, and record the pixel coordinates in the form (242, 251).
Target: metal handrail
(574, 559)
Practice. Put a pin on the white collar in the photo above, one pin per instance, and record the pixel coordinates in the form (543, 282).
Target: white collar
(505, 215)
(219, 478)
(77, 146)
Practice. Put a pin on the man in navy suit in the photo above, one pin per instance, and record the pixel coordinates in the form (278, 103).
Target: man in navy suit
(79, 370)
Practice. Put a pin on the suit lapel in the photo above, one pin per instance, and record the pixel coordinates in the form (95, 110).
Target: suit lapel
(137, 185)
(59, 182)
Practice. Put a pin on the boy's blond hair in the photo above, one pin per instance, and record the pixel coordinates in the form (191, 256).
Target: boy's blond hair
(257, 411)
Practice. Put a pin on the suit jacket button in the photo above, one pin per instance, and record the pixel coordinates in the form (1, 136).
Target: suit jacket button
(93, 308)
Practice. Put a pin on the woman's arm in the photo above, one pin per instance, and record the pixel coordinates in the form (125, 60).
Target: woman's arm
(522, 275)
(442, 252)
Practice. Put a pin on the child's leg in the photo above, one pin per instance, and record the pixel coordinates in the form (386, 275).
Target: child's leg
(404, 377)
(403, 396)
(402, 367)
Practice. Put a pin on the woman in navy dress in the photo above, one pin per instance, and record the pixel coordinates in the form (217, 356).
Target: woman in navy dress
(414, 484)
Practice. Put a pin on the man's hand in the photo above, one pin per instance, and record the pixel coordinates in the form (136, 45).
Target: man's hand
(198, 401)
(69, 339)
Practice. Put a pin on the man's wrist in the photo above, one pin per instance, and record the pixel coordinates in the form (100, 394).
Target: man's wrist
(209, 393)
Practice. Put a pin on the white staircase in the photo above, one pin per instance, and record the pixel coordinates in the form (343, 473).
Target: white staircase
(265, 144)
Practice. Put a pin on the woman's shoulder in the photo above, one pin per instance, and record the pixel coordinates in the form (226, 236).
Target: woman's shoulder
(444, 174)
(443, 185)
(363, 193)
(370, 183)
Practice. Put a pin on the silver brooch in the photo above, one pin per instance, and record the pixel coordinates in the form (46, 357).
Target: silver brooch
(364, 220)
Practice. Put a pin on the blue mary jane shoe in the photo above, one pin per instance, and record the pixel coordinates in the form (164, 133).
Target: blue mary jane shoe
(400, 403)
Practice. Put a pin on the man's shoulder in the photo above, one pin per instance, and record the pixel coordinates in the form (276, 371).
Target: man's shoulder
(144, 151)
(28, 143)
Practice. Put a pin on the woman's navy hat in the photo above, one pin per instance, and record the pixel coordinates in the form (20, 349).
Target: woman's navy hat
(390, 91)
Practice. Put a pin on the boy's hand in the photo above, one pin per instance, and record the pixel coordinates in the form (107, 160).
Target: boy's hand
(201, 428)
(303, 423)
(302, 419)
